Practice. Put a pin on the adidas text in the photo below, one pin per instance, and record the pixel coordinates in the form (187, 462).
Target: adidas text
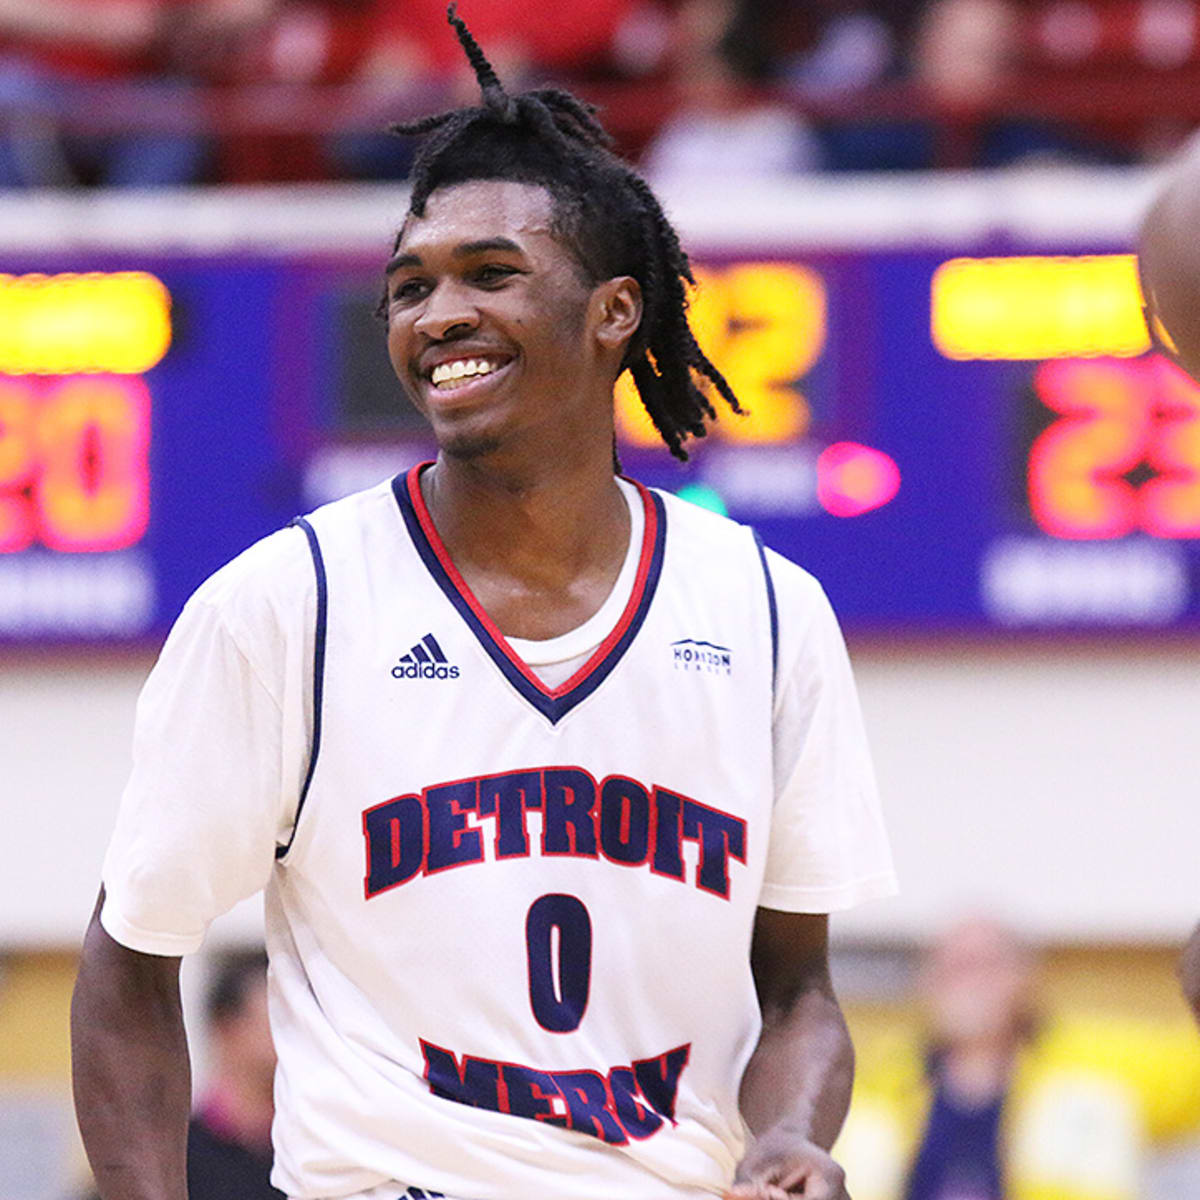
(424, 670)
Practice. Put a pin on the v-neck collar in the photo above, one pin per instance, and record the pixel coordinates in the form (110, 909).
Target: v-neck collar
(552, 703)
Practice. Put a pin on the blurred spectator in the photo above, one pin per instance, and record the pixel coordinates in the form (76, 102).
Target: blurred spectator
(966, 49)
(1064, 56)
(834, 55)
(1003, 1101)
(723, 121)
(54, 55)
(294, 46)
(580, 38)
(229, 1138)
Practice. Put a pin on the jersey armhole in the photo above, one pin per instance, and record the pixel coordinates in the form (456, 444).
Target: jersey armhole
(318, 684)
(772, 610)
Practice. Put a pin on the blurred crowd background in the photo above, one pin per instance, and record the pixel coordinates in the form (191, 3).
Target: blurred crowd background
(1018, 1020)
(146, 92)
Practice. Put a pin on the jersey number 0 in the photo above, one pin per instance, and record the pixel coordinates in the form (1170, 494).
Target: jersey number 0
(558, 928)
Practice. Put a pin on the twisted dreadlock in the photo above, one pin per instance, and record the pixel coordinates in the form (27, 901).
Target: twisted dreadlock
(602, 210)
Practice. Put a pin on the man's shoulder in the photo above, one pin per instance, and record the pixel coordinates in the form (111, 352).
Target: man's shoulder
(713, 536)
(280, 567)
(694, 529)
(367, 507)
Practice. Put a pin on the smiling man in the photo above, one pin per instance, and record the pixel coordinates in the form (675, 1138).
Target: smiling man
(552, 780)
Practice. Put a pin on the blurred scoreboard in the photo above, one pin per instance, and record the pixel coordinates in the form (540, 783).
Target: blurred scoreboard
(951, 444)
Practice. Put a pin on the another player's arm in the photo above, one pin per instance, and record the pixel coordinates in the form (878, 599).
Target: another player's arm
(796, 1088)
(132, 1076)
(1189, 971)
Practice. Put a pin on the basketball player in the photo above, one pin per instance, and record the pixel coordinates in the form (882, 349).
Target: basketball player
(551, 780)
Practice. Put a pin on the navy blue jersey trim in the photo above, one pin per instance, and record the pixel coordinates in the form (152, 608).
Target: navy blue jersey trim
(552, 707)
(318, 671)
(762, 557)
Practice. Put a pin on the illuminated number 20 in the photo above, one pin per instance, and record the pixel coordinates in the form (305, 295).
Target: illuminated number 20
(559, 1008)
(74, 463)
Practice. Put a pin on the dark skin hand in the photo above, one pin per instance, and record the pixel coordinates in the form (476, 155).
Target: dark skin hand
(796, 1088)
(131, 1074)
(1189, 971)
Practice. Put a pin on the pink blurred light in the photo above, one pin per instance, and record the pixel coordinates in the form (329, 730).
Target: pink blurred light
(854, 479)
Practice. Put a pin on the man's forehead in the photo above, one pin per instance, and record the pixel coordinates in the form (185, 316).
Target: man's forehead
(480, 211)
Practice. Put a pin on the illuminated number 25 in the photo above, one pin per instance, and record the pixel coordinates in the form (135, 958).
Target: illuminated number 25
(74, 469)
(1118, 418)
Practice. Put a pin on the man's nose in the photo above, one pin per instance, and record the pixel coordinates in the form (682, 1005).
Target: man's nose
(446, 308)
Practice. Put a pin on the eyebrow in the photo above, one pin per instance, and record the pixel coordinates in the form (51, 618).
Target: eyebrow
(463, 250)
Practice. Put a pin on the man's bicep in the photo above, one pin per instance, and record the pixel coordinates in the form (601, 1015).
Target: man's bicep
(789, 955)
(103, 958)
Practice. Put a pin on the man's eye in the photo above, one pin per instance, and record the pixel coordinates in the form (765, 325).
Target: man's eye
(493, 274)
(410, 289)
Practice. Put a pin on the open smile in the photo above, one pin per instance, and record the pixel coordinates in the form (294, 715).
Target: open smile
(465, 376)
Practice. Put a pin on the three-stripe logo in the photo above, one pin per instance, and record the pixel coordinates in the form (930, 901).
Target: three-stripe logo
(426, 660)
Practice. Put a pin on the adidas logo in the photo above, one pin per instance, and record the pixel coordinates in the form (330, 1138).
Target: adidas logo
(425, 660)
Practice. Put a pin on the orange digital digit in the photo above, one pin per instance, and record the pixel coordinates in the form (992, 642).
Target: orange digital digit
(1077, 487)
(94, 489)
(1171, 501)
(763, 325)
(18, 465)
(773, 332)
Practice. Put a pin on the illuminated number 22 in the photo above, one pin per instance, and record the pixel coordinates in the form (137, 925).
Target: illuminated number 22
(763, 325)
(74, 469)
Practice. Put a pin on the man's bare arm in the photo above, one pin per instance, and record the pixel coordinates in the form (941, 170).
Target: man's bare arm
(796, 1088)
(132, 1076)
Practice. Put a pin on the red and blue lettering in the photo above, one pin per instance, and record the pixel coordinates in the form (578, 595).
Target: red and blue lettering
(619, 820)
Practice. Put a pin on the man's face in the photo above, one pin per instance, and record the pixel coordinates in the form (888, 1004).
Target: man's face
(489, 321)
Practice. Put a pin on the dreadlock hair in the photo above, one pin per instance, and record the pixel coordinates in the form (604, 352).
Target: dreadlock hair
(602, 210)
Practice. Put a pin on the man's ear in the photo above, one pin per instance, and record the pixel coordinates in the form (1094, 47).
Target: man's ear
(617, 309)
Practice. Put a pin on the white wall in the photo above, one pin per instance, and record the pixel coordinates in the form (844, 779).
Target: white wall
(1061, 786)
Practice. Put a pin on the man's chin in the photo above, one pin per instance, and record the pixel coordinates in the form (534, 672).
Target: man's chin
(469, 447)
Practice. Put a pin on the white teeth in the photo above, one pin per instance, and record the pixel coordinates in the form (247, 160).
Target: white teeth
(451, 373)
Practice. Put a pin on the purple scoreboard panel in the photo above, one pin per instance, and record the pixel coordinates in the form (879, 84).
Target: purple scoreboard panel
(952, 445)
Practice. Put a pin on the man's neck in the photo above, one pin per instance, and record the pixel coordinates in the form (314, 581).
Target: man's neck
(539, 544)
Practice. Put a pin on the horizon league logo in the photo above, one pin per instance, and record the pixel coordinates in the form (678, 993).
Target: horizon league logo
(426, 660)
(690, 655)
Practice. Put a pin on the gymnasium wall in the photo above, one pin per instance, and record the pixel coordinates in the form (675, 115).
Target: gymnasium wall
(1050, 778)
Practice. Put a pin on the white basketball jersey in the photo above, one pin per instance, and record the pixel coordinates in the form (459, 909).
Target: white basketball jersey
(527, 912)
(509, 926)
